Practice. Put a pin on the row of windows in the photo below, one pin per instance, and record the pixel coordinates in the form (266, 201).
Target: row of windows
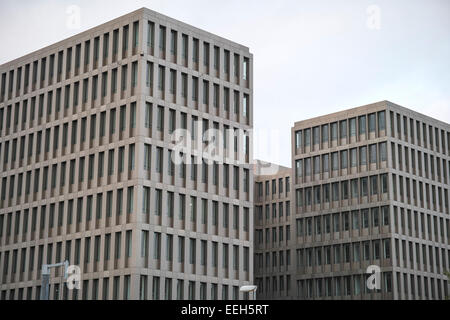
(118, 287)
(421, 225)
(49, 106)
(60, 135)
(356, 285)
(105, 45)
(427, 165)
(46, 178)
(164, 203)
(282, 230)
(376, 217)
(337, 222)
(51, 103)
(203, 166)
(420, 133)
(206, 259)
(433, 258)
(409, 255)
(54, 216)
(284, 186)
(339, 286)
(413, 131)
(85, 250)
(71, 133)
(196, 169)
(63, 60)
(280, 258)
(101, 247)
(339, 160)
(410, 191)
(113, 160)
(190, 49)
(327, 255)
(342, 190)
(280, 205)
(341, 130)
(192, 289)
(404, 189)
(357, 220)
(179, 84)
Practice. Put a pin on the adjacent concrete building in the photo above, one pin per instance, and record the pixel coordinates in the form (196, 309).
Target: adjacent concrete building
(272, 234)
(86, 172)
(370, 187)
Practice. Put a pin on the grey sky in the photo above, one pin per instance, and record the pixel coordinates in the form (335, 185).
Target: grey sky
(310, 57)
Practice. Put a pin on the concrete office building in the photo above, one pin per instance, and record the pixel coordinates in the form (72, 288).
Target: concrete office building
(370, 187)
(272, 198)
(86, 171)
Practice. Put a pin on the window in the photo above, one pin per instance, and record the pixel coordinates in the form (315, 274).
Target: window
(352, 127)
(160, 119)
(148, 75)
(372, 122)
(156, 245)
(362, 124)
(158, 202)
(245, 105)
(384, 183)
(173, 42)
(383, 151)
(373, 153)
(245, 74)
(150, 34)
(194, 88)
(363, 156)
(382, 121)
(162, 38)
(216, 57)
(364, 186)
(334, 161)
(298, 139)
(334, 133)
(343, 129)
(316, 135)
(344, 159)
(325, 133)
(161, 77)
(195, 50)
(307, 137)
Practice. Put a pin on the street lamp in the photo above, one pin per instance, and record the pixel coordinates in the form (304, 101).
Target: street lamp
(249, 288)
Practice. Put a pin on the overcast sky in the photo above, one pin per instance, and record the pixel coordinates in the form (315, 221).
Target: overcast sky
(310, 57)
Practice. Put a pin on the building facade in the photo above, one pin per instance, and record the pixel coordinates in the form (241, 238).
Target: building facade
(370, 188)
(272, 198)
(86, 170)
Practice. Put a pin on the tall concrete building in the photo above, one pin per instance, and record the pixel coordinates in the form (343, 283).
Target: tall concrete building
(86, 168)
(370, 187)
(272, 199)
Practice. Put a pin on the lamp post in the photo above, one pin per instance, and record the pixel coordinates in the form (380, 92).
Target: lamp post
(249, 288)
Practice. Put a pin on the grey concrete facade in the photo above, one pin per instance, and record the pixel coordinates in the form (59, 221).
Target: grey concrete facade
(370, 187)
(85, 170)
(272, 234)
